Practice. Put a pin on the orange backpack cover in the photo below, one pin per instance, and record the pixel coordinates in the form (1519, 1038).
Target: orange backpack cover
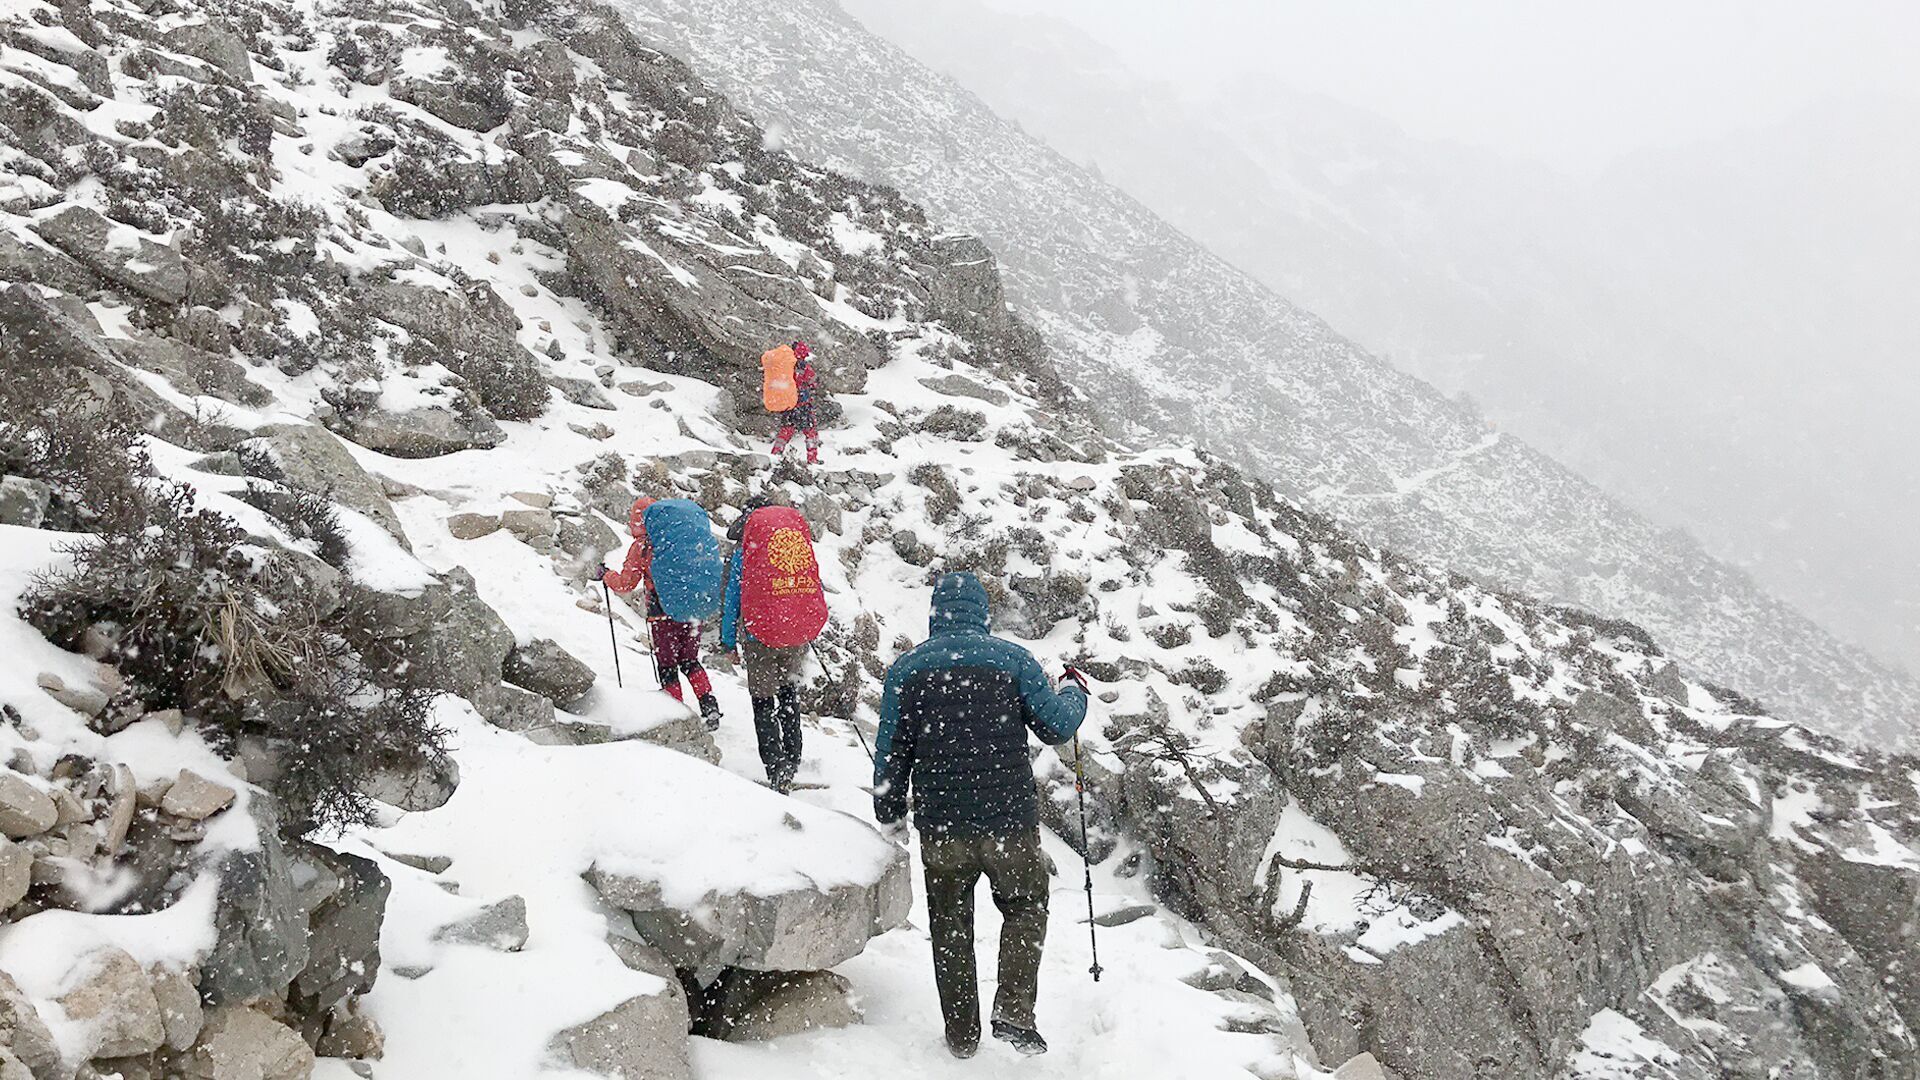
(778, 390)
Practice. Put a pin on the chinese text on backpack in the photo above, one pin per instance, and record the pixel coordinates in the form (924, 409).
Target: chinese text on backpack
(778, 389)
(780, 598)
(688, 570)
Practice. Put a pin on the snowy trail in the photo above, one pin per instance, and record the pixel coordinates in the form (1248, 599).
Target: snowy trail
(1140, 1020)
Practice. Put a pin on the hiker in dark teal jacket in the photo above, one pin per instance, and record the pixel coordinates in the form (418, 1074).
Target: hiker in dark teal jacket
(954, 718)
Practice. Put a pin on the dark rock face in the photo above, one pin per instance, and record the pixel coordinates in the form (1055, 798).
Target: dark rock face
(343, 931)
(261, 941)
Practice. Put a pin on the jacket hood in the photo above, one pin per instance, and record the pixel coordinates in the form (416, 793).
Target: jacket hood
(959, 605)
(637, 517)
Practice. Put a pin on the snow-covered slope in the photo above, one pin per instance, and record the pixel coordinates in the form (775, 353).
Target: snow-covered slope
(1162, 333)
(481, 278)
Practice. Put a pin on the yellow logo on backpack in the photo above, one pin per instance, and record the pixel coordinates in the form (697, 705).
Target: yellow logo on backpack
(778, 390)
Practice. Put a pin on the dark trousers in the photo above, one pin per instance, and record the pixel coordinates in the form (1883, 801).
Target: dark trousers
(1016, 871)
(776, 726)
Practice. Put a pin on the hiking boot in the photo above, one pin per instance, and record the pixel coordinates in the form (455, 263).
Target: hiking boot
(710, 712)
(963, 1048)
(1025, 1040)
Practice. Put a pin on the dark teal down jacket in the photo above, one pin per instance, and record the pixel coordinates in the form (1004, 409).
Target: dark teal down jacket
(954, 719)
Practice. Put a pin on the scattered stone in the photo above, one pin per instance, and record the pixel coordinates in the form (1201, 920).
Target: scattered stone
(643, 1038)
(16, 873)
(196, 798)
(241, 1044)
(180, 1011)
(534, 528)
(353, 1036)
(1082, 483)
(545, 668)
(1123, 916)
(154, 792)
(432, 864)
(25, 810)
(1361, 1067)
(583, 392)
(116, 1003)
(501, 926)
(88, 701)
(125, 797)
(472, 526)
(592, 431)
(539, 500)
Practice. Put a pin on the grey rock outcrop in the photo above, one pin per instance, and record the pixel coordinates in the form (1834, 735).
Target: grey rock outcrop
(217, 46)
(260, 929)
(155, 271)
(794, 930)
(313, 460)
(423, 432)
(545, 668)
(343, 930)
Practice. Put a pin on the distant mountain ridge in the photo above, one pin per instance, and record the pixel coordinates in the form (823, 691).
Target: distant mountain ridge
(1164, 333)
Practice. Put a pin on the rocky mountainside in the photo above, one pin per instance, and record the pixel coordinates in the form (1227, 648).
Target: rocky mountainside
(1167, 337)
(338, 340)
(1602, 319)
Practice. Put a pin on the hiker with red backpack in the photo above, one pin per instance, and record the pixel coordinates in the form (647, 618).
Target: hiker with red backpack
(774, 609)
(675, 556)
(787, 385)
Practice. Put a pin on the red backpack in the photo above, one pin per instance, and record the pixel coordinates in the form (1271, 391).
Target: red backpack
(781, 603)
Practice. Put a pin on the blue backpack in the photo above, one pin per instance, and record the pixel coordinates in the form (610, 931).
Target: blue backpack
(688, 572)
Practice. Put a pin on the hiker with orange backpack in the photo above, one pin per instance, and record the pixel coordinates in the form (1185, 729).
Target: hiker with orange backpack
(676, 558)
(787, 384)
(774, 609)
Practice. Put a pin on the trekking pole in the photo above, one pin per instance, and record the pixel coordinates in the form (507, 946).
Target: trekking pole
(851, 722)
(1086, 856)
(612, 637)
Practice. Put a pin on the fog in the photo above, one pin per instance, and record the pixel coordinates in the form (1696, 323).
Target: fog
(1674, 245)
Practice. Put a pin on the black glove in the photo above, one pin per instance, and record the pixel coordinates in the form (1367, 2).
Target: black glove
(600, 573)
(1072, 674)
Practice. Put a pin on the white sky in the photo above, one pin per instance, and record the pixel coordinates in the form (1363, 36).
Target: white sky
(1571, 84)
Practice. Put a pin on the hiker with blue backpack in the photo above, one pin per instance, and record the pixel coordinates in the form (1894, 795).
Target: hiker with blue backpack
(677, 559)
